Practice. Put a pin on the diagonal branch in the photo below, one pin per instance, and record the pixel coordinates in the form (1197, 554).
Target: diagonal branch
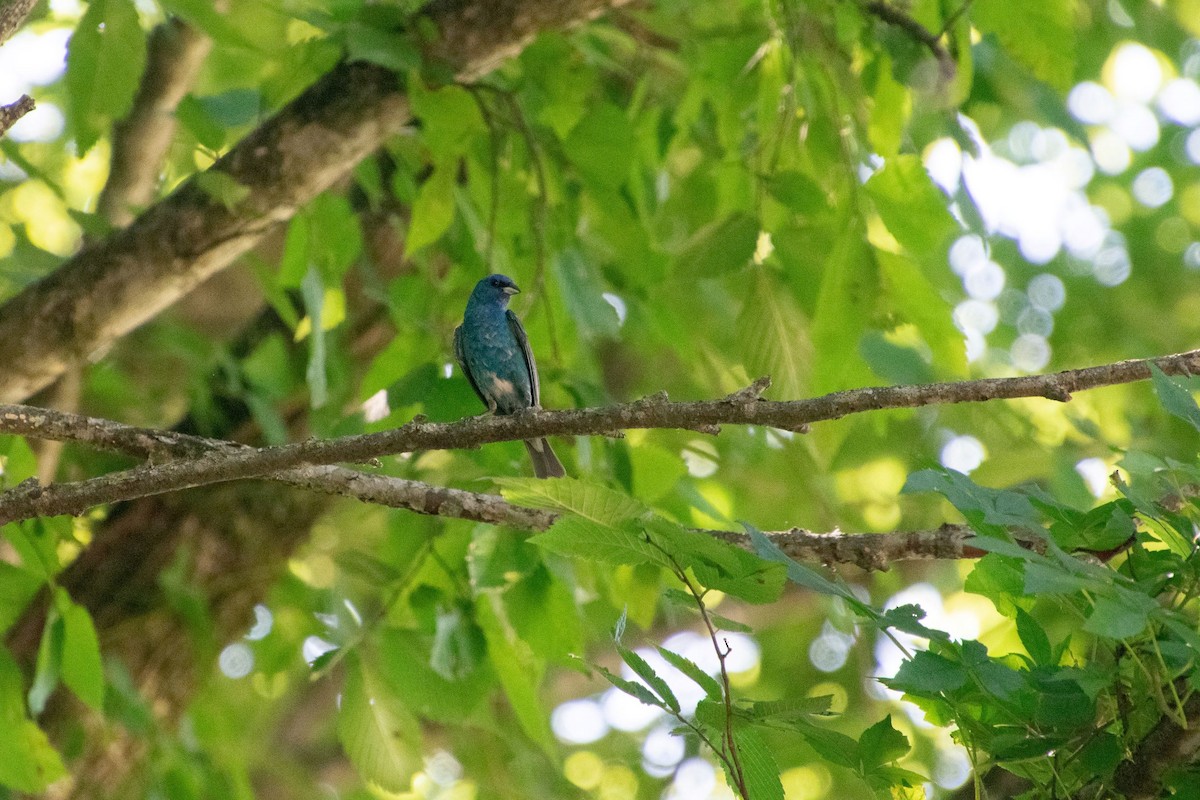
(111, 288)
(142, 140)
(12, 16)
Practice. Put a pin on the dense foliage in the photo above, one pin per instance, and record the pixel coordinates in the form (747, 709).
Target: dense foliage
(691, 195)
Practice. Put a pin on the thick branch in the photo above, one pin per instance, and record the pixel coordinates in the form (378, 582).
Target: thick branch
(142, 140)
(111, 288)
(236, 463)
(1140, 777)
(12, 16)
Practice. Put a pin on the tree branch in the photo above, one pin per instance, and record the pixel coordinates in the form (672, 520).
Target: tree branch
(1168, 745)
(12, 112)
(200, 461)
(116, 285)
(142, 140)
(897, 17)
(12, 16)
(744, 408)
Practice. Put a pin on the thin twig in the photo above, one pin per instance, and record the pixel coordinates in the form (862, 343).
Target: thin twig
(897, 17)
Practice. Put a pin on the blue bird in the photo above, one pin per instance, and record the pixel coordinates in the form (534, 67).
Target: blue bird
(493, 351)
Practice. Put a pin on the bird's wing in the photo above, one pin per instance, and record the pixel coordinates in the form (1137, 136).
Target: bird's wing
(461, 356)
(518, 333)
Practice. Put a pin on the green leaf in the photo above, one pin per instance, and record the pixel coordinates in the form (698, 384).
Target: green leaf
(582, 538)
(881, 744)
(17, 587)
(82, 668)
(105, 60)
(644, 671)
(796, 573)
(1040, 36)
(1034, 638)
(1114, 619)
(912, 207)
(28, 762)
(710, 685)
(49, 662)
(381, 738)
(773, 336)
(797, 191)
(450, 120)
(631, 688)
(378, 46)
(458, 645)
(988, 510)
(222, 187)
(916, 300)
(1175, 398)
(928, 673)
(404, 664)
(602, 146)
(1051, 579)
(519, 671)
(313, 291)
(720, 247)
(583, 294)
(758, 765)
(336, 239)
(432, 211)
(590, 501)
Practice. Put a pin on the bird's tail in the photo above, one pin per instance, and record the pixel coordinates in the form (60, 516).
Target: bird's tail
(545, 463)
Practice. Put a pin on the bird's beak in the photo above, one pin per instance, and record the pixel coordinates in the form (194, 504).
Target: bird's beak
(511, 290)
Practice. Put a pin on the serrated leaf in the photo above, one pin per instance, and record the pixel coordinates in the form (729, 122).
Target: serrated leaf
(105, 60)
(773, 336)
(928, 673)
(590, 501)
(82, 668)
(881, 744)
(796, 573)
(643, 670)
(710, 685)
(758, 765)
(381, 738)
(786, 710)
(631, 688)
(582, 538)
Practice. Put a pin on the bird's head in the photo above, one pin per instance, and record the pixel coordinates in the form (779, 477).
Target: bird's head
(496, 289)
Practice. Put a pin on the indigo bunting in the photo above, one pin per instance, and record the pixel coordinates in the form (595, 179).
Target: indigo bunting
(493, 351)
